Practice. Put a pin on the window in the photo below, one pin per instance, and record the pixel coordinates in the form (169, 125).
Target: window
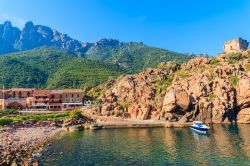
(72, 95)
(52, 96)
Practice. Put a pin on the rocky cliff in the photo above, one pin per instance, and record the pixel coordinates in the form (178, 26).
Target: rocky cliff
(31, 36)
(214, 90)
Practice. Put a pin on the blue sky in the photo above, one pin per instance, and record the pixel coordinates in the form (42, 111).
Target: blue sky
(187, 26)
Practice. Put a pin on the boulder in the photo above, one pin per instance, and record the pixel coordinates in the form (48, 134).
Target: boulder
(143, 113)
(169, 102)
(244, 116)
(182, 99)
(176, 98)
(243, 92)
(133, 110)
(106, 107)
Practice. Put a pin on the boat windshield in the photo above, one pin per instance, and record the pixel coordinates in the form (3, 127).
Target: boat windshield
(199, 123)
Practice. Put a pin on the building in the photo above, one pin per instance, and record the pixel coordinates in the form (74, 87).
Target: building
(236, 45)
(15, 98)
(41, 100)
(72, 99)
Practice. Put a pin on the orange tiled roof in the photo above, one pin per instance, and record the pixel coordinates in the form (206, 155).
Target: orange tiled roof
(67, 91)
(21, 89)
(41, 92)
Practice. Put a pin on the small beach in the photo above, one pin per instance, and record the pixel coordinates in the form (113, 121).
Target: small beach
(22, 145)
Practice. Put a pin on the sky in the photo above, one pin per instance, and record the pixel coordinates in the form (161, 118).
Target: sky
(186, 26)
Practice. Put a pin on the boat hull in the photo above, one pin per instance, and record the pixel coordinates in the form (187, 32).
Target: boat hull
(198, 129)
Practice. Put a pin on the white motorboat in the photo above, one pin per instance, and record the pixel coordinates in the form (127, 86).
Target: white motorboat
(199, 126)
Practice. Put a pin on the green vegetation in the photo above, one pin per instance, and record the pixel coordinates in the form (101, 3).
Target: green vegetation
(80, 73)
(75, 114)
(52, 68)
(214, 62)
(134, 57)
(182, 74)
(124, 106)
(212, 96)
(163, 84)
(248, 67)
(234, 57)
(7, 112)
(233, 80)
(5, 120)
(96, 91)
(49, 68)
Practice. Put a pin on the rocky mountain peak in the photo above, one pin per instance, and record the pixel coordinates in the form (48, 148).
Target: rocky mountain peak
(7, 23)
(29, 25)
(31, 36)
(107, 42)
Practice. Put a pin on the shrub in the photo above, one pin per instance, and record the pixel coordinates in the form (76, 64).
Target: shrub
(163, 84)
(214, 62)
(98, 101)
(235, 57)
(212, 96)
(5, 121)
(234, 80)
(124, 106)
(75, 114)
(182, 74)
(248, 67)
(7, 112)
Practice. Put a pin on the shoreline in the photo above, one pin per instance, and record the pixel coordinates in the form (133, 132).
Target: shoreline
(130, 123)
(24, 145)
(21, 146)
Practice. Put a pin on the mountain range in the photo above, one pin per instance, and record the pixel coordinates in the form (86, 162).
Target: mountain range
(35, 47)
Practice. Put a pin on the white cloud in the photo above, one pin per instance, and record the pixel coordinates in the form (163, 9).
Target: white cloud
(19, 22)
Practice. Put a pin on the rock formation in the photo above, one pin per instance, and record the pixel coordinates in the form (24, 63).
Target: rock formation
(31, 36)
(214, 90)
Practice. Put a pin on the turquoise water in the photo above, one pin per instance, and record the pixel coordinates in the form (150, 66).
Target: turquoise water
(225, 145)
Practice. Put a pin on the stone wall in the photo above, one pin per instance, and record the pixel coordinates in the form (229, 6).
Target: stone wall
(235, 45)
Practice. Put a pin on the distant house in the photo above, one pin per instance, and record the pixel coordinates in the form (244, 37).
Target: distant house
(236, 45)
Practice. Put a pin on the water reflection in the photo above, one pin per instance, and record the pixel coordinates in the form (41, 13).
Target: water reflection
(245, 137)
(225, 145)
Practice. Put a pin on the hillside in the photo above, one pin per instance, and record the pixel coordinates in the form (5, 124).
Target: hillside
(132, 56)
(214, 90)
(46, 58)
(48, 67)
